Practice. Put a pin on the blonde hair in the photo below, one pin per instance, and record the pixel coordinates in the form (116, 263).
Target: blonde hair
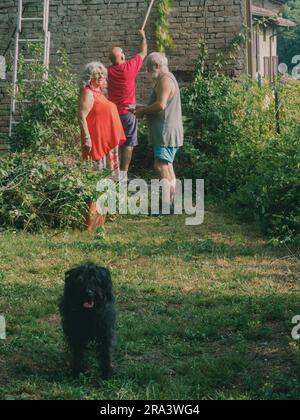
(90, 69)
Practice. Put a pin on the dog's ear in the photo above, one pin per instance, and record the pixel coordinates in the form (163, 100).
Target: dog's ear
(69, 276)
(104, 273)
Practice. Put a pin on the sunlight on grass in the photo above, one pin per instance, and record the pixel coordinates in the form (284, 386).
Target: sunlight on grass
(204, 312)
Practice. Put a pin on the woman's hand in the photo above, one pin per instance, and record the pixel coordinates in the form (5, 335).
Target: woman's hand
(87, 146)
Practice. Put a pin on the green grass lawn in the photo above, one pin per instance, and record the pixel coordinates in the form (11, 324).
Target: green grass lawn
(204, 312)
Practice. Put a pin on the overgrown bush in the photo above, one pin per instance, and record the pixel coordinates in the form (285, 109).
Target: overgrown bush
(271, 192)
(232, 141)
(44, 191)
(44, 183)
(48, 108)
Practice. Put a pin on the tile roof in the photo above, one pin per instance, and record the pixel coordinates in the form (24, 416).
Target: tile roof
(260, 11)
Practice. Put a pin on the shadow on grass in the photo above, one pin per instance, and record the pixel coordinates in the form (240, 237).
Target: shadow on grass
(170, 345)
(181, 249)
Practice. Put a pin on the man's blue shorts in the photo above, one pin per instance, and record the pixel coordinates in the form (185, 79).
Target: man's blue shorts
(165, 153)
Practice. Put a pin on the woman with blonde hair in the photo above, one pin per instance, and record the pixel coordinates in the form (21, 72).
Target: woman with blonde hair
(101, 129)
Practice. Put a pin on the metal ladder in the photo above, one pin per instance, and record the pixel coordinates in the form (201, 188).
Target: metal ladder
(45, 40)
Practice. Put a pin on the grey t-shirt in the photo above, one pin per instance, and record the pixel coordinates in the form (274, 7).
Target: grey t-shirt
(166, 127)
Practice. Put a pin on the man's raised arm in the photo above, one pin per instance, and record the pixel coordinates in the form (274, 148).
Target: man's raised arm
(144, 46)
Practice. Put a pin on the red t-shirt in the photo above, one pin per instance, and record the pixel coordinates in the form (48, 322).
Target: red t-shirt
(121, 83)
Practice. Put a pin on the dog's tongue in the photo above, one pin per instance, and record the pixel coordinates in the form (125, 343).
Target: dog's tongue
(88, 305)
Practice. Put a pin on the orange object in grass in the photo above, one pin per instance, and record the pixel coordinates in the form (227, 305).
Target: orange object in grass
(94, 219)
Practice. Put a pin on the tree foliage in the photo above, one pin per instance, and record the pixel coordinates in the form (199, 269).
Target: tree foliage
(232, 142)
(164, 39)
(289, 39)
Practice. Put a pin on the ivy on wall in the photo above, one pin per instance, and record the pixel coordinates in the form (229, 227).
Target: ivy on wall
(264, 22)
(164, 38)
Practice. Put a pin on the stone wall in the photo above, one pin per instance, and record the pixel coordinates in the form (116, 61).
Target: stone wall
(89, 28)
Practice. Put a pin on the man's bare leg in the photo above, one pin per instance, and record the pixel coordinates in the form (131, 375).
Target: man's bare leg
(126, 157)
(173, 181)
(113, 163)
(163, 171)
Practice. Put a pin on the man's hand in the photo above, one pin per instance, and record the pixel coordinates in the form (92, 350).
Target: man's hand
(142, 34)
(139, 113)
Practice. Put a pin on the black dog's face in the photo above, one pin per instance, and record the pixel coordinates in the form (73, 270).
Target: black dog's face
(88, 287)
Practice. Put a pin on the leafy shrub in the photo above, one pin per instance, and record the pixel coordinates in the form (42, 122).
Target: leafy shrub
(164, 38)
(143, 159)
(48, 108)
(232, 141)
(289, 41)
(271, 193)
(44, 183)
(40, 191)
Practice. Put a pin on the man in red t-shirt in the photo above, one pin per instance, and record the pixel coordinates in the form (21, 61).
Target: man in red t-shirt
(121, 91)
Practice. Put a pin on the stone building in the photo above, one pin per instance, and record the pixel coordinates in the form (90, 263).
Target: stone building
(89, 28)
(266, 21)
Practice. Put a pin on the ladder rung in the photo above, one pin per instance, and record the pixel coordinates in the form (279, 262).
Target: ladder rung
(32, 19)
(32, 60)
(25, 101)
(30, 81)
(31, 40)
(20, 38)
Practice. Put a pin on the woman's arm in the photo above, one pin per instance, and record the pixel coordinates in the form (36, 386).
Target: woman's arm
(86, 101)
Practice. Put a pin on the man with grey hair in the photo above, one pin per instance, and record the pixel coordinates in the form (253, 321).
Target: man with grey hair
(164, 115)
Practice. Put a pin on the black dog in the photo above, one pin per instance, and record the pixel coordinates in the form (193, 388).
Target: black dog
(88, 314)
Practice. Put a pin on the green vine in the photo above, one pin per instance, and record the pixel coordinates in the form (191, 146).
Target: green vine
(231, 50)
(264, 21)
(224, 56)
(164, 39)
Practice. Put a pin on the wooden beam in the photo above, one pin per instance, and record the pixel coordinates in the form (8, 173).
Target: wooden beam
(249, 24)
(147, 15)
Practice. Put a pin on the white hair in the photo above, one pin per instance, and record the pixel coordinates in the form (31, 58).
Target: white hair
(90, 69)
(155, 59)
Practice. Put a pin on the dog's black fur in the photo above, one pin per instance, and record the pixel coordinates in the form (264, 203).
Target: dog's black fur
(88, 314)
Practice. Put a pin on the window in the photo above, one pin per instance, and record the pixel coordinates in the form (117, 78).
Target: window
(266, 66)
(275, 66)
(257, 51)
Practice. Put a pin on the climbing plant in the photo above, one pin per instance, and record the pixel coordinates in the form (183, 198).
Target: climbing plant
(48, 109)
(264, 22)
(230, 52)
(164, 38)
